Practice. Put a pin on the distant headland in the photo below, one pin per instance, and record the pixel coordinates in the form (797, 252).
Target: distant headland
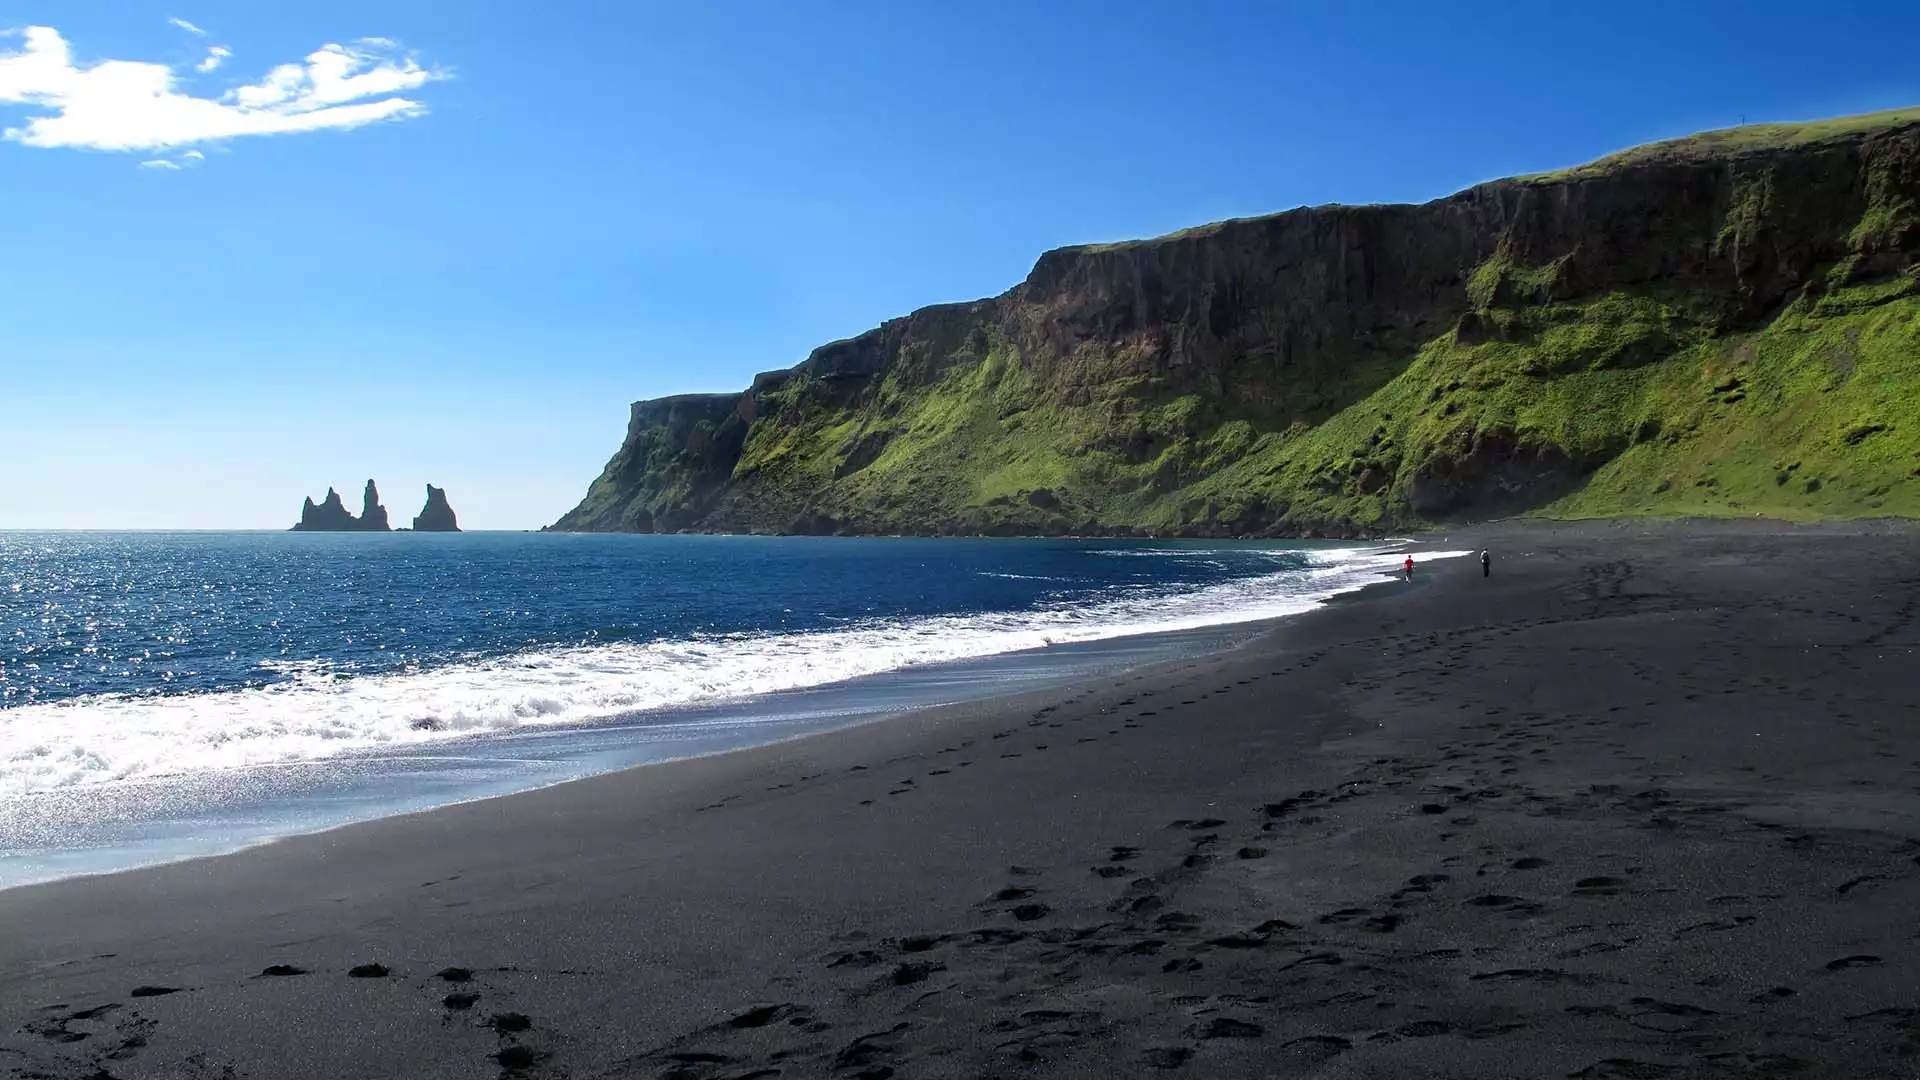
(332, 515)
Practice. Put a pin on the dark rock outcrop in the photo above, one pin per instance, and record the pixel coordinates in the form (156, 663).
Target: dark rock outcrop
(437, 515)
(1328, 371)
(373, 516)
(332, 515)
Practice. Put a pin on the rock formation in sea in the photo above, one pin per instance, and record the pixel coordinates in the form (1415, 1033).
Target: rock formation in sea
(1714, 325)
(437, 515)
(373, 516)
(332, 515)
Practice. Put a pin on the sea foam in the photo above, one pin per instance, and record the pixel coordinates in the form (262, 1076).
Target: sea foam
(315, 713)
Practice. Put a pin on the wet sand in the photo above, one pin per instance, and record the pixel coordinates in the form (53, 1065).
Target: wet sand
(1645, 803)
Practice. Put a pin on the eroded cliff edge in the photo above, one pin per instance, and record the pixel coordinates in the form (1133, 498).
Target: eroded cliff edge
(1727, 324)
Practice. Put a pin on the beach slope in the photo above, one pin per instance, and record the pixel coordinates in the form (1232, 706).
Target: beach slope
(1641, 804)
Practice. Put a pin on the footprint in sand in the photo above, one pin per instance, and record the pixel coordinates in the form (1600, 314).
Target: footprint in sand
(760, 1016)
(907, 974)
(864, 958)
(515, 1060)
(1166, 1057)
(1546, 976)
(1499, 902)
(1423, 1029)
(1323, 1046)
(1860, 960)
(1670, 1017)
(1226, 1027)
(1343, 916)
(1714, 926)
(1848, 886)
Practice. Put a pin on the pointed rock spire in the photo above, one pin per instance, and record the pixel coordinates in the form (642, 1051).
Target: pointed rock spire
(373, 516)
(437, 515)
(328, 516)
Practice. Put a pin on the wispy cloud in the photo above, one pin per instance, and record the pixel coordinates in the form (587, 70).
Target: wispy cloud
(187, 160)
(187, 26)
(137, 105)
(215, 57)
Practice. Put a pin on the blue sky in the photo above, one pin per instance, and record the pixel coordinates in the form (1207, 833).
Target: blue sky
(540, 212)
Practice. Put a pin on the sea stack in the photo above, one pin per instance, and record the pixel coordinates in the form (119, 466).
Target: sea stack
(332, 515)
(328, 516)
(437, 515)
(373, 516)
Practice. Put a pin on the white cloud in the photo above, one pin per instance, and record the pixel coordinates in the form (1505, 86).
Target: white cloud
(215, 56)
(188, 27)
(185, 161)
(136, 105)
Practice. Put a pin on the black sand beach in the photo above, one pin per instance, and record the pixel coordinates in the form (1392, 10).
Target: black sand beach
(1644, 804)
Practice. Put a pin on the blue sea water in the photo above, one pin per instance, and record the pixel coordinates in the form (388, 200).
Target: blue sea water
(176, 694)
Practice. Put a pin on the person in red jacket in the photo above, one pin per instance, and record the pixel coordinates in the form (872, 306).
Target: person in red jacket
(1409, 566)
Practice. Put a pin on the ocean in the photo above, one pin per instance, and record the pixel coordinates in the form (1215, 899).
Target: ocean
(165, 695)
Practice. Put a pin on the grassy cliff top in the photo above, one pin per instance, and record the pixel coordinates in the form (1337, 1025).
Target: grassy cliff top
(1190, 233)
(1707, 145)
(1727, 142)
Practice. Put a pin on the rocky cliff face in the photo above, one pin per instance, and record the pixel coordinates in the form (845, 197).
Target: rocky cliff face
(437, 515)
(331, 515)
(1668, 329)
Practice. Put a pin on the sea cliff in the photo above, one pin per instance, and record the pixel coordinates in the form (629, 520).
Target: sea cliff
(1727, 325)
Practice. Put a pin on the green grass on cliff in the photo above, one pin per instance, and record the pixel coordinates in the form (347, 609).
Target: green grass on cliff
(1816, 414)
(996, 445)
(965, 452)
(1759, 358)
(1726, 142)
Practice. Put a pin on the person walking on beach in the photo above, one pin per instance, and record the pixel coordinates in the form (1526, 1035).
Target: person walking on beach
(1486, 564)
(1409, 567)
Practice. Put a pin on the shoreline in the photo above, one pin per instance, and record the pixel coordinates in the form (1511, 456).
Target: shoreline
(1638, 805)
(853, 722)
(389, 781)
